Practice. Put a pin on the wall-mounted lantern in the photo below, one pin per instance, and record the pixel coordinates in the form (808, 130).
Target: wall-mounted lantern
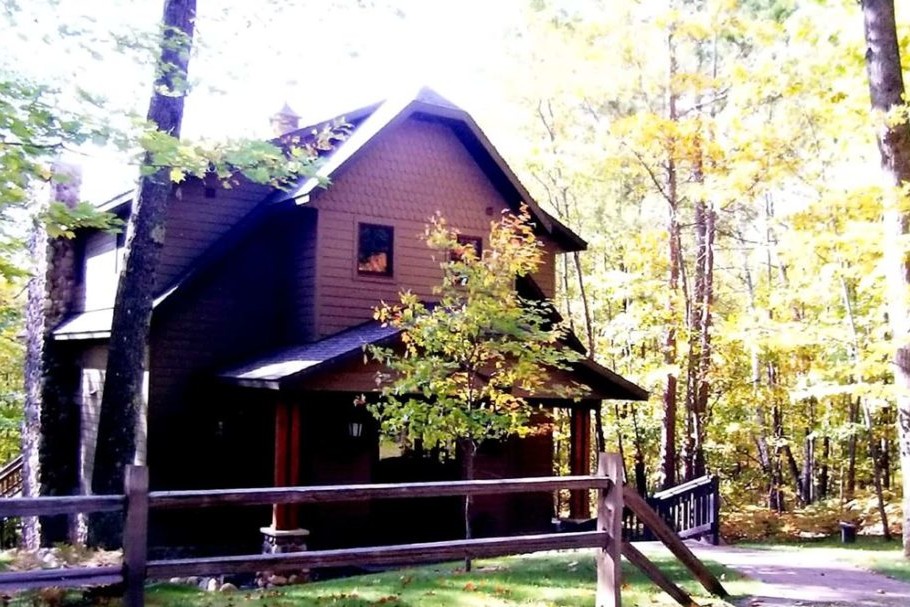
(355, 429)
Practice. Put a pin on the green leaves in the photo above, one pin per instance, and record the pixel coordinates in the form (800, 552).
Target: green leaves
(468, 363)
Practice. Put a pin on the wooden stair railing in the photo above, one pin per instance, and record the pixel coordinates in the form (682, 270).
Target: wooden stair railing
(10, 486)
(11, 478)
(691, 509)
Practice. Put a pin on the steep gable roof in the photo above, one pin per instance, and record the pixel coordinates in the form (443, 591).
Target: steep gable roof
(368, 123)
(429, 104)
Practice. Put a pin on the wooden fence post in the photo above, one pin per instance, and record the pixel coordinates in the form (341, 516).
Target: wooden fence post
(609, 519)
(135, 535)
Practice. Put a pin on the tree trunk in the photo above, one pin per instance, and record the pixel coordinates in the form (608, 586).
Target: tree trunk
(784, 452)
(850, 484)
(823, 475)
(641, 477)
(807, 473)
(469, 450)
(586, 306)
(121, 439)
(886, 88)
(876, 470)
(668, 424)
(885, 449)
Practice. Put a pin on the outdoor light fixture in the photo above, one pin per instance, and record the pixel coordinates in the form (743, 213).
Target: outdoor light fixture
(355, 429)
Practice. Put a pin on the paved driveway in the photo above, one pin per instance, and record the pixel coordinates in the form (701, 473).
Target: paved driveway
(791, 577)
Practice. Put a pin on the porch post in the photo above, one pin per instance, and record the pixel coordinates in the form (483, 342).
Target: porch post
(287, 449)
(580, 459)
(285, 534)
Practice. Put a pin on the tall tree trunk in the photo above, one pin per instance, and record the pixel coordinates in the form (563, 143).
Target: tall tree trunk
(784, 452)
(668, 424)
(641, 477)
(823, 475)
(121, 439)
(885, 449)
(886, 88)
(698, 315)
(876, 470)
(850, 483)
(770, 467)
(586, 306)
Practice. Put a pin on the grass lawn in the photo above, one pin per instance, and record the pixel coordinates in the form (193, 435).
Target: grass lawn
(869, 552)
(563, 579)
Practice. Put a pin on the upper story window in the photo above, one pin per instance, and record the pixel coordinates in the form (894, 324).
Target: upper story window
(375, 248)
(465, 243)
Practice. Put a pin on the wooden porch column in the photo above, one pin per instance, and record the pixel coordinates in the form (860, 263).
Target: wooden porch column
(287, 462)
(580, 460)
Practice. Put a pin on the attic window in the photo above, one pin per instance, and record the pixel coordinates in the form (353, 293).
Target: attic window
(375, 248)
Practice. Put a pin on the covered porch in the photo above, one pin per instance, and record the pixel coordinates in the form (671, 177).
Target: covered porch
(322, 437)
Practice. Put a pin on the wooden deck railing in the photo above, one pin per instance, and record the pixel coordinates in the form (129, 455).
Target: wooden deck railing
(137, 501)
(691, 509)
(11, 478)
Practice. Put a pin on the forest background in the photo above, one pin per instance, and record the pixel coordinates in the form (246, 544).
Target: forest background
(718, 155)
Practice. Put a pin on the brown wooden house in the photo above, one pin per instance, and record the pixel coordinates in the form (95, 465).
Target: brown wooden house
(264, 304)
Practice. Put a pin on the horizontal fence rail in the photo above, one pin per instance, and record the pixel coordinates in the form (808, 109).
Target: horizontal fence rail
(381, 555)
(138, 500)
(354, 493)
(70, 504)
(72, 577)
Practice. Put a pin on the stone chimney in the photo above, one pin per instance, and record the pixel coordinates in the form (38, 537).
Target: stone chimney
(50, 437)
(284, 121)
(67, 183)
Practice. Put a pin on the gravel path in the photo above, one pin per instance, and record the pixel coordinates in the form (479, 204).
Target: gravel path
(791, 577)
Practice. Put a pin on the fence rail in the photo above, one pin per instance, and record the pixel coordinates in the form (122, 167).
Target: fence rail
(137, 501)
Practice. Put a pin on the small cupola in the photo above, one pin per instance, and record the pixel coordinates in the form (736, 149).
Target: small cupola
(284, 121)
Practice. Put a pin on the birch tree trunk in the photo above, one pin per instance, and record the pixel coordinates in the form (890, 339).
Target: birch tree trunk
(886, 88)
(123, 399)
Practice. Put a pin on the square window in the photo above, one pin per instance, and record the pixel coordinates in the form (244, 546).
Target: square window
(375, 245)
(465, 242)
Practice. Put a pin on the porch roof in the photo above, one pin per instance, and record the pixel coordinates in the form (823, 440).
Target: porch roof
(277, 369)
(297, 361)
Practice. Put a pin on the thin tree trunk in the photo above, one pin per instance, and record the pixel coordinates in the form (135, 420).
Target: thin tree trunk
(885, 449)
(886, 87)
(850, 484)
(123, 401)
(783, 450)
(668, 424)
(806, 474)
(641, 477)
(599, 429)
(876, 471)
(823, 475)
(585, 304)
(469, 449)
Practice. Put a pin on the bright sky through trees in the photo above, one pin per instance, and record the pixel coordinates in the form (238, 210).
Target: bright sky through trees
(321, 57)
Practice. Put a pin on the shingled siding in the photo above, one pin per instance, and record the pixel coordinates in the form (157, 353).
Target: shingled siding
(300, 237)
(231, 314)
(401, 179)
(195, 222)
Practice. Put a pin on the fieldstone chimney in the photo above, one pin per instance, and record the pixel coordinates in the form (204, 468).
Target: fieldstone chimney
(50, 435)
(284, 121)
